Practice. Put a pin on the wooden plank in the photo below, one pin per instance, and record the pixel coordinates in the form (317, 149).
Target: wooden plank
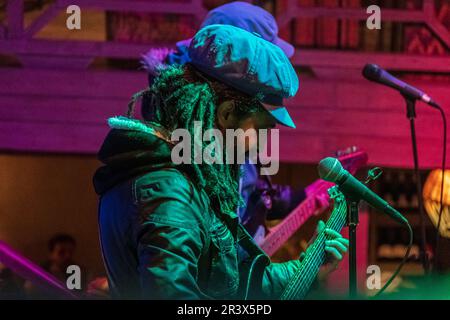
(50, 109)
(192, 7)
(76, 48)
(391, 61)
(440, 31)
(294, 147)
(361, 94)
(370, 124)
(397, 15)
(309, 119)
(51, 137)
(393, 152)
(120, 85)
(72, 83)
(14, 12)
(43, 19)
(304, 57)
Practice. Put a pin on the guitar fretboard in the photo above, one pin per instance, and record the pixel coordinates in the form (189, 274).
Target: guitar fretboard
(315, 256)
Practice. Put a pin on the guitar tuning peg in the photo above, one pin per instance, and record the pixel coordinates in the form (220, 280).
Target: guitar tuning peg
(373, 174)
(346, 151)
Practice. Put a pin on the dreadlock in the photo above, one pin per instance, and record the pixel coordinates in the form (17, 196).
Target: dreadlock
(186, 95)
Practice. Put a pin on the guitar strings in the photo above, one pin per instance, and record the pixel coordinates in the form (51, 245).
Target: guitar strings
(309, 277)
(333, 223)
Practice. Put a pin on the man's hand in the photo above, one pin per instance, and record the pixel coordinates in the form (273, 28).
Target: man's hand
(337, 246)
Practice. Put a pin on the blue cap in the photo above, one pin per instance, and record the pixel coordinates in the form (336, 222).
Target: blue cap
(248, 63)
(251, 18)
(242, 15)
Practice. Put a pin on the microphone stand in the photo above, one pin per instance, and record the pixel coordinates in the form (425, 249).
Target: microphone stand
(352, 222)
(411, 115)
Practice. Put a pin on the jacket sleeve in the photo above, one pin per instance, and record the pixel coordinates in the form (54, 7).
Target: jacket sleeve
(170, 242)
(277, 276)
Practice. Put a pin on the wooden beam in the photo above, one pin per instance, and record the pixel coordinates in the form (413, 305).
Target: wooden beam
(75, 48)
(14, 15)
(392, 15)
(426, 16)
(3, 31)
(191, 7)
(392, 61)
(305, 57)
(43, 19)
(439, 30)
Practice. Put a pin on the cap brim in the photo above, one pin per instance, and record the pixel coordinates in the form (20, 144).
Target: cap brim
(281, 115)
(184, 43)
(287, 48)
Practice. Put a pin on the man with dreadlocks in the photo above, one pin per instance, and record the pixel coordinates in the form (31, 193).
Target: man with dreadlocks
(262, 199)
(171, 231)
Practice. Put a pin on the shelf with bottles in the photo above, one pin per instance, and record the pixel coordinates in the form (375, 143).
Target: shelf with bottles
(398, 188)
(388, 239)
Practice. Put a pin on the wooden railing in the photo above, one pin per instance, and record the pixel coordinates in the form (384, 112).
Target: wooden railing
(28, 270)
(19, 40)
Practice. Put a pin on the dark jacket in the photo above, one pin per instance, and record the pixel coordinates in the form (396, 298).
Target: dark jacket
(159, 236)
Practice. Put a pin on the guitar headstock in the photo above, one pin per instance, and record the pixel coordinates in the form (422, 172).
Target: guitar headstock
(352, 158)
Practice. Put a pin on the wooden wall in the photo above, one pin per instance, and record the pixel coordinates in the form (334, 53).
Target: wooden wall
(66, 110)
(41, 195)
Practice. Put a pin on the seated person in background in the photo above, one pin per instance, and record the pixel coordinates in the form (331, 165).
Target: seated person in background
(61, 250)
(10, 286)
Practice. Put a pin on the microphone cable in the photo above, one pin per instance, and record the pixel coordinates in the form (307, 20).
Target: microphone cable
(444, 158)
(402, 263)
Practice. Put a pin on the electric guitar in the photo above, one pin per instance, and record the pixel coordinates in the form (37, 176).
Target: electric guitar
(315, 256)
(351, 160)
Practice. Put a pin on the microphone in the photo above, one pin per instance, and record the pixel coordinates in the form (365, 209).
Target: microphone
(374, 73)
(330, 169)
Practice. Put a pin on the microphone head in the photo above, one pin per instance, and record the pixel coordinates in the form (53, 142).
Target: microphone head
(330, 169)
(372, 72)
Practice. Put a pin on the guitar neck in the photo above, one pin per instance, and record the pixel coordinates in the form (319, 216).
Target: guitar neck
(285, 229)
(315, 256)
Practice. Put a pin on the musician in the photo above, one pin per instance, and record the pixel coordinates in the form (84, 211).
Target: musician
(262, 199)
(171, 231)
